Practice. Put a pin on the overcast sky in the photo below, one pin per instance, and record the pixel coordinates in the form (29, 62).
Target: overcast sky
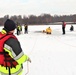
(37, 7)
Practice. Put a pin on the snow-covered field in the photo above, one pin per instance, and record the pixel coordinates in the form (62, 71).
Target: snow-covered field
(53, 54)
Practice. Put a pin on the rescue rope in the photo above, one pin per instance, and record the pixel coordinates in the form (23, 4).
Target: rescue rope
(30, 54)
(27, 68)
(33, 47)
(63, 42)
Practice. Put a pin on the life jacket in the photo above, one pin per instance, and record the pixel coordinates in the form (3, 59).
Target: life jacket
(64, 24)
(5, 59)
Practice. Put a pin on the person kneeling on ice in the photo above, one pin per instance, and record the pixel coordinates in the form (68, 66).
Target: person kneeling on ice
(72, 28)
(48, 30)
(11, 55)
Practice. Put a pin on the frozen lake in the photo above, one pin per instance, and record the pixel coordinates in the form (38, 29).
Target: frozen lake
(53, 54)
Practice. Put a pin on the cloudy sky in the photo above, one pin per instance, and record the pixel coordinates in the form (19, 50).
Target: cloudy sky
(37, 7)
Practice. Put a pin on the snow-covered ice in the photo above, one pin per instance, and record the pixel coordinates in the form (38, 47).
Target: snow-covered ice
(53, 54)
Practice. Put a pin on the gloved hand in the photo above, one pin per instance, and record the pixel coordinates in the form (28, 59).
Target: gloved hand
(29, 60)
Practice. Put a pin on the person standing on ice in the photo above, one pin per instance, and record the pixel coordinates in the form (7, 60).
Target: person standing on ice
(63, 27)
(12, 56)
(26, 28)
(18, 29)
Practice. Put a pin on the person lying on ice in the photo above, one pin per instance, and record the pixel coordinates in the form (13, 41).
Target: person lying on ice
(11, 55)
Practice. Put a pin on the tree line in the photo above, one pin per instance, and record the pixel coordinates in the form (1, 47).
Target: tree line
(41, 19)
